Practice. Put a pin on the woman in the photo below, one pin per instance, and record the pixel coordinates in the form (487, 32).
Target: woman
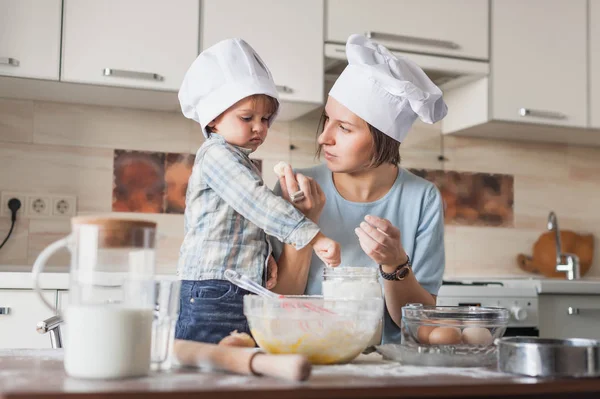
(382, 215)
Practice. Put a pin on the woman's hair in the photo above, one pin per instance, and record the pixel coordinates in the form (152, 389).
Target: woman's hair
(270, 104)
(385, 148)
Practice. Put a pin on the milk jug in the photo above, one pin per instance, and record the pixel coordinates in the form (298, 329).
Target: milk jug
(111, 296)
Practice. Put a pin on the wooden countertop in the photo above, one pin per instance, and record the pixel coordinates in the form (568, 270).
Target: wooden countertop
(39, 374)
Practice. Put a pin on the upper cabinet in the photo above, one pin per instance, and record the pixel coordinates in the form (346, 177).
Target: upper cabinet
(594, 26)
(287, 34)
(130, 43)
(544, 83)
(30, 38)
(539, 75)
(457, 28)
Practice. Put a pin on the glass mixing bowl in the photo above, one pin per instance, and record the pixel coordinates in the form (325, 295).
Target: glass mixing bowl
(327, 331)
(461, 327)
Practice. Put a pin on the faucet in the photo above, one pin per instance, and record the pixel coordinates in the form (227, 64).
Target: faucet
(571, 264)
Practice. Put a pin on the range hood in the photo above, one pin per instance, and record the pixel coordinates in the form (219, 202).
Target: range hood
(446, 72)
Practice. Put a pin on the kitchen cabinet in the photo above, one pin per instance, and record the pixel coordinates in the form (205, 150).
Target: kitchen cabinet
(594, 37)
(20, 311)
(539, 75)
(569, 316)
(537, 89)
(146, 44)
(287, 34)
(456, 28)
(30, 38)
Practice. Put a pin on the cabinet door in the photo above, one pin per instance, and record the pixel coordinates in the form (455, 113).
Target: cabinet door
(594, 26)
(132, 43)
(287, 34)
(539, 61)
(458, 28)
(582, 322)
(30, 38)
(21, 310)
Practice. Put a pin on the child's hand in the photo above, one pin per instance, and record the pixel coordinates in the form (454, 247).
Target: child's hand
(327, 249)
(271, 273)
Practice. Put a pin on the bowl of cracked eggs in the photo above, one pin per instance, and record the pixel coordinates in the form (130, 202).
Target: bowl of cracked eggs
(325, 330)
(448, 336)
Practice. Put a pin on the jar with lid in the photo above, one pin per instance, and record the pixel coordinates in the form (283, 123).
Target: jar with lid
(354, 282)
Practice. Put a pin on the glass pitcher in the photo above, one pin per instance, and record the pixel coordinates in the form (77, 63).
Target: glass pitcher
(111, 296)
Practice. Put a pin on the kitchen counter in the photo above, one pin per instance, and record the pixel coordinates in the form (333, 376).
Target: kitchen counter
(39, 374)
(15, 277)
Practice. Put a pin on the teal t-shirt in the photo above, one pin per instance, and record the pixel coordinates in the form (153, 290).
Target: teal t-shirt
(413, 204)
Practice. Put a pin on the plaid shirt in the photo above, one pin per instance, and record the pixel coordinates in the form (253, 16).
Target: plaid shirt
(229, 212)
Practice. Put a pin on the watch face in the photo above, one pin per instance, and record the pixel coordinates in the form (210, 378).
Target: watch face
(403, 273)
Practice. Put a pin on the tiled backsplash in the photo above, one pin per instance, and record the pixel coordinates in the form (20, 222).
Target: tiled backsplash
(52, 148)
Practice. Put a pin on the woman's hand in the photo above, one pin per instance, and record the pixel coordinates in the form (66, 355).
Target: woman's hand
(381, 241)
(314, 199)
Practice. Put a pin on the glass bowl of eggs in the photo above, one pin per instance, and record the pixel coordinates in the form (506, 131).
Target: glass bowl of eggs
(449, 335)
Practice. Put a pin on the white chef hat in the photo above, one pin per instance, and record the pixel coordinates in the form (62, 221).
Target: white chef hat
(222, 75)
(389, 92)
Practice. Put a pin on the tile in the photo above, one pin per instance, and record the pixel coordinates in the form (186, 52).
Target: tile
(497, 156)
(83, 172)
(16, 121)
(108, 127)
(584, 163)
(14, 251)
(44, 232)
(485, 251)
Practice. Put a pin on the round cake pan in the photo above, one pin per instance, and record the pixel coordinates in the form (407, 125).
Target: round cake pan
(544, 357)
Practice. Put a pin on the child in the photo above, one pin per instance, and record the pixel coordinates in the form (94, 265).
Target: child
(229, 211)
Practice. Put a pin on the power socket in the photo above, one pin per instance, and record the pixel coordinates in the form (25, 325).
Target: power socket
(64, 206)
(5, 197)
(39, 206)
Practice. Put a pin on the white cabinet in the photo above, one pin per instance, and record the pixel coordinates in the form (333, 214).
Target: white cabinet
(287, 34)
(458, 28)
(594, 26)
(20, 311)
(130, 43)
(30, 38)
(582, 321)
(540, 77)
(539, 61)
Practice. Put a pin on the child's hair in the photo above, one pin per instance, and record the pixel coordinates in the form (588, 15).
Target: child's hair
(270, 104)
(386, 150)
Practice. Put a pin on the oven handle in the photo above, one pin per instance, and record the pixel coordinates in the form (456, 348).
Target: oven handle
(574, 311)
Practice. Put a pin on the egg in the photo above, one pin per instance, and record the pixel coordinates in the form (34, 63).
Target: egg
(477, 336)
(445, 336)
(423, 333)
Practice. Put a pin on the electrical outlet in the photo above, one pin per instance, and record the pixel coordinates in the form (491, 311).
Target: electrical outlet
(5, 197)
(64, 205)
(39, 206)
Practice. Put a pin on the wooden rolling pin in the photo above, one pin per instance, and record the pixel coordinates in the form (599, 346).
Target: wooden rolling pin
(241, 360)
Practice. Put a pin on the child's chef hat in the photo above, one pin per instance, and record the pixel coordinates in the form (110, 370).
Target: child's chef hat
(221, 76)
(389, 92)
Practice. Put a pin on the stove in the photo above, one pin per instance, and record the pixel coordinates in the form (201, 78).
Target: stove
(519, 296)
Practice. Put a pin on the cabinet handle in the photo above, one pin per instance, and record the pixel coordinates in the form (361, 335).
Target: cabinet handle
(120, 73)
(9, 61)
(4, 310)
(541, 114)
(412, 40)
(284, 89)
(573, 311)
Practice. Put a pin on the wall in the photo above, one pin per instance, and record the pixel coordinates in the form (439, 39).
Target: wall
(68, 149)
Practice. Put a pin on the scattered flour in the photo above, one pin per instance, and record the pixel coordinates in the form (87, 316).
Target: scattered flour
(373, 365)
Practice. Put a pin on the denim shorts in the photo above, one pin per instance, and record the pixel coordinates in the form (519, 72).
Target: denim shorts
(210, 310)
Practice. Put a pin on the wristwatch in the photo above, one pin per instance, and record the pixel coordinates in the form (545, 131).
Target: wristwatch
(399, 274)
